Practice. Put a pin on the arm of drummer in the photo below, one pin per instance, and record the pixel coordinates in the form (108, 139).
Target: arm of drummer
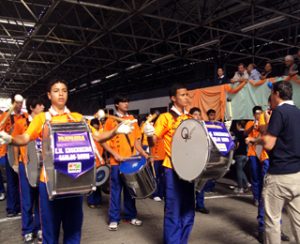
(111, 152)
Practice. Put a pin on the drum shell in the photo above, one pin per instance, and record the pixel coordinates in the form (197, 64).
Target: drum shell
(206, 164)
(58, 184)
(140, 184)
(33, 165)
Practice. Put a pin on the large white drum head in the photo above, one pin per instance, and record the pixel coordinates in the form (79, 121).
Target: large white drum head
(190, 149)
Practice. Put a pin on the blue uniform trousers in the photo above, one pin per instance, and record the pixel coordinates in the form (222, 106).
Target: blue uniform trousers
(179, 208)
(65, 211)
(116, 186)
(29, 204)
(2, 163)
(12, 191)
(159, 171)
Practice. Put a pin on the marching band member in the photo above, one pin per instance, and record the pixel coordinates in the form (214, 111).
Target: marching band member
(65, 211)
(121, 147)
(29, 195)
(179, 194)
(12, 194)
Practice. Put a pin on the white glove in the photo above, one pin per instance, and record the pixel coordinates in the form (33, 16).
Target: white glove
(149, 129)
(126, 127)
(100, 114)
(228, 124)
(5, 138)
(16, 168)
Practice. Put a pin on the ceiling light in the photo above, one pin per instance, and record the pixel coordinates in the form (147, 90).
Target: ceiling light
(263, 24)
(203, 45)
(17, 22)
(133, 67)
(95, 81)
(163, 58)
(111, 76)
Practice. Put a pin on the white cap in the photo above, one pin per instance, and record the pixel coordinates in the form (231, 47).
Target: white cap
(18, 98)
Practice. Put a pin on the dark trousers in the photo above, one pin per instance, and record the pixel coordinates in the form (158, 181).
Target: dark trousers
(116, 187)
(65, 211)
(29, 204)
(179, 208)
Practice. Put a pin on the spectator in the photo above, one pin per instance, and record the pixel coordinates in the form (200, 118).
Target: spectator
(221, 78)
(241, 158)
(240, 75)
(253, 72)
(211, 114)
(291, 69)
(267, 73)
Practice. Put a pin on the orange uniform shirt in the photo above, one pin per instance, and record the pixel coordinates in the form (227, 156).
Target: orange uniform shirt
(7, 127)
(165, 127)
(35, 128)
(100, 149)
(19, 128)
(251, 148)
(119, 143)
(158, 151)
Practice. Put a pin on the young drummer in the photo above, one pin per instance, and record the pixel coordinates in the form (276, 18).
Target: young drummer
(29, 195)
(12, 194)
(179, 198)
(121, 147)
(65, 211)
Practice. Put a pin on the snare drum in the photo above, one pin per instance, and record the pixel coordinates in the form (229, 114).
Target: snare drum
(102, 175)
(69, 161)
(34, 162)
(201, 150)
(138, 177)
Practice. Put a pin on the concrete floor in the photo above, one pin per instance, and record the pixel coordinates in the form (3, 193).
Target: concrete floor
(232, 220)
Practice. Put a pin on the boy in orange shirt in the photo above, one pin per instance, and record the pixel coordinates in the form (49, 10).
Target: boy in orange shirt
(29, 195)
(121, 147)
(12, 194)
(65, 211)
(179, 194)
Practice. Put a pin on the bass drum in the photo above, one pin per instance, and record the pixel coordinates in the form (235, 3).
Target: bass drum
(196, 153)
(34, 163)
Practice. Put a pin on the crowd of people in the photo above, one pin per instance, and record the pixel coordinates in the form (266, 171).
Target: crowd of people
(269, 143)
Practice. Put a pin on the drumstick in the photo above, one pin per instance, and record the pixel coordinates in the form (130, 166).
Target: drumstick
(17, 98)
(101, 115)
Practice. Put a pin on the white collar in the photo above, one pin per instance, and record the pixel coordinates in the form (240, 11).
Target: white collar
(30, 118)
(221, 76)
(290, 102)
(53, 112)
(177, 111)
(13, 113)
(121, 115)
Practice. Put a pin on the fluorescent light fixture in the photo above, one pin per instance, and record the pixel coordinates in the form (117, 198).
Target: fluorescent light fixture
(4, 64)
(72, 90)
(7, 54)
(17, 22)
(203, 45)
(83, 85)
(163, 58)
(11, 41)
(263, 24)
(95, 81)
(111, 76)
(133, 67)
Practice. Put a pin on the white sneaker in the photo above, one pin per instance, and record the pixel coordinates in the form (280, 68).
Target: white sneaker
(157, 199)
(113, 226)
(136, 222)
(40, 236)
(2, 196)
(239, 190)
(28, 238)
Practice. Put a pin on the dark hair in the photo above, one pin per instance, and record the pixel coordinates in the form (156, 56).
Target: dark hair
(31, 102)
(284, 89)
(55, 81)
(175, 87)
(255, 108)
(210, 111)
(195, 109)
(242, 64)
(94, 122)
(120, 98)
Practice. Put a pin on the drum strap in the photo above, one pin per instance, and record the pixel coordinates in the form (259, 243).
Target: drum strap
(128, 141)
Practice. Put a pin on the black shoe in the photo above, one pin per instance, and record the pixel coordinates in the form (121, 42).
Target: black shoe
(260, 237)
(11, 215)
(284, 237)
(202, 210)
